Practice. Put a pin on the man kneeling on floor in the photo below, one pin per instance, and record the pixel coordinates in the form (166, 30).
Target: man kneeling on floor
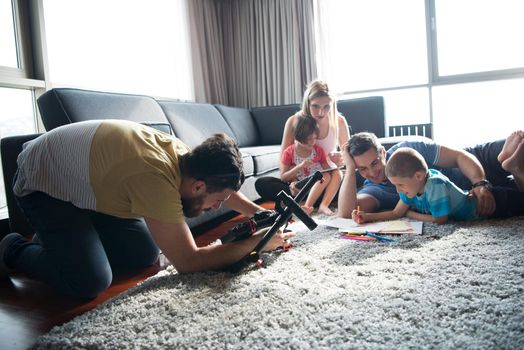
(108, 194)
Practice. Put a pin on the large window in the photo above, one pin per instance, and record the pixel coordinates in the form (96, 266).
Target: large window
(8, 55)
(120, 45)
(17, 115)
(479, 35)
(372, 44)
(477, 112)
(457, 64)
(16, 118)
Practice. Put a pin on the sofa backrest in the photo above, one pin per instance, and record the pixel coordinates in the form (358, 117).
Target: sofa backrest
(270, 122)
(62, 106)
(242, 124)
(194, 122)
(364, 114)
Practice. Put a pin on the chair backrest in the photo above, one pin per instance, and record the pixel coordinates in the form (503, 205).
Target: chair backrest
(10, 148)
(412, 129)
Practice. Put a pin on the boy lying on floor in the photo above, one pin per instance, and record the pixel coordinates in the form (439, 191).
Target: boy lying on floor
(428, 195)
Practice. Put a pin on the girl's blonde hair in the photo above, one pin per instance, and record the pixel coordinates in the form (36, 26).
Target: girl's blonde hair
(319, 88)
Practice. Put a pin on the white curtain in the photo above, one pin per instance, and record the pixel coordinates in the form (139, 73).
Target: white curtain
(251, 53)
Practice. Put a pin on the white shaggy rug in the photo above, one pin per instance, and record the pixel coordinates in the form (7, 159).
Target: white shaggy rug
(458, 286)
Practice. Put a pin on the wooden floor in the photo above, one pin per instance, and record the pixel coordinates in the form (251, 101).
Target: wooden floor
(29, 308)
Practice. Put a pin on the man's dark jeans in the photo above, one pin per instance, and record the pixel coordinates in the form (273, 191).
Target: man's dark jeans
(77, 249)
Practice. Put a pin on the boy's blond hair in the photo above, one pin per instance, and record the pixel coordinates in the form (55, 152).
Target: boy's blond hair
(405, 162)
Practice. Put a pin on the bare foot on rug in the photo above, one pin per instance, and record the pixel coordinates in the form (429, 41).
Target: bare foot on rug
(307, 209)
(515, 165)
(325, 210)
(510, 145)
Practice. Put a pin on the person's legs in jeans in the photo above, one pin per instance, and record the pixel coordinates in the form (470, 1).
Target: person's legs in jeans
(510, 202)
(487, 154)
(71, 257)
(127, 242)
(514, 163)
(269, 187)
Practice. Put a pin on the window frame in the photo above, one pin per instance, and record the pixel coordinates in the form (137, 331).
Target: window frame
(437, 79)
(31, 52)
(31, 56)
(434, 78)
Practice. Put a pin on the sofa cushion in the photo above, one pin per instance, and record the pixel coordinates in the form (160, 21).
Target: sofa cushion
(195, 122)
(364, 114)
(64, 106)
(270, 122)
(242, 124)
(265, 158)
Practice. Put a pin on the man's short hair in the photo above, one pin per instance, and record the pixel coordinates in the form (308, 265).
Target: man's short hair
(305, 126)
(405, 162)
(217, 161)
(362, 142)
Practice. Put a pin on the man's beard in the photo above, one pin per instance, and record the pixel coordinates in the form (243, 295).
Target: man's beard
(193, 206)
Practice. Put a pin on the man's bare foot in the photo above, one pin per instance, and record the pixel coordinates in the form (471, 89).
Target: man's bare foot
(307, 209)
(325, 210)
(510, 145)
(515, 165)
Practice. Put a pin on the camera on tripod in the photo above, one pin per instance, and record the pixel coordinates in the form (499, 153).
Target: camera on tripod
(285, 207)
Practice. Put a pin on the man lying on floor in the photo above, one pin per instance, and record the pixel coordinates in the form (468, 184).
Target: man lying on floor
(474, 169)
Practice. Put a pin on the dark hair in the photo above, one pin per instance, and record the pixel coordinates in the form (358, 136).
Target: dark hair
(405, 162)
(361, 142)
(306, 125)
(217, 161)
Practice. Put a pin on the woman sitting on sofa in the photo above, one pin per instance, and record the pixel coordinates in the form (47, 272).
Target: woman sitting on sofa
(334, 132)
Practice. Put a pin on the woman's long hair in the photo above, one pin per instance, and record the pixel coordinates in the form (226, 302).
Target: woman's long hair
(319, 88)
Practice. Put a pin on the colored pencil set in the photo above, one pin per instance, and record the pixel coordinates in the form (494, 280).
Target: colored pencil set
(367, 236)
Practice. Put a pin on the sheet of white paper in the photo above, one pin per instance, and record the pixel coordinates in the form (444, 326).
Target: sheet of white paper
(417, 226)
(337, 222)
(352, 226)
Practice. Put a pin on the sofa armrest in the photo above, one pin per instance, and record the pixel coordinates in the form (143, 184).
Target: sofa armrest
(10, 148)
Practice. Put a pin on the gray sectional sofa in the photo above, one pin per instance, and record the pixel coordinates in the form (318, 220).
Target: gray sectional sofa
(258, 131)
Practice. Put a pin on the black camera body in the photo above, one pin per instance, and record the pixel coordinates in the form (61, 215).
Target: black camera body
(261, 219)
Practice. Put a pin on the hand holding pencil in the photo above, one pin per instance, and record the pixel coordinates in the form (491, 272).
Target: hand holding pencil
(358, 216)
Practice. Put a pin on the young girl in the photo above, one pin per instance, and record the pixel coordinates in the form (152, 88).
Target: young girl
(303, 158)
